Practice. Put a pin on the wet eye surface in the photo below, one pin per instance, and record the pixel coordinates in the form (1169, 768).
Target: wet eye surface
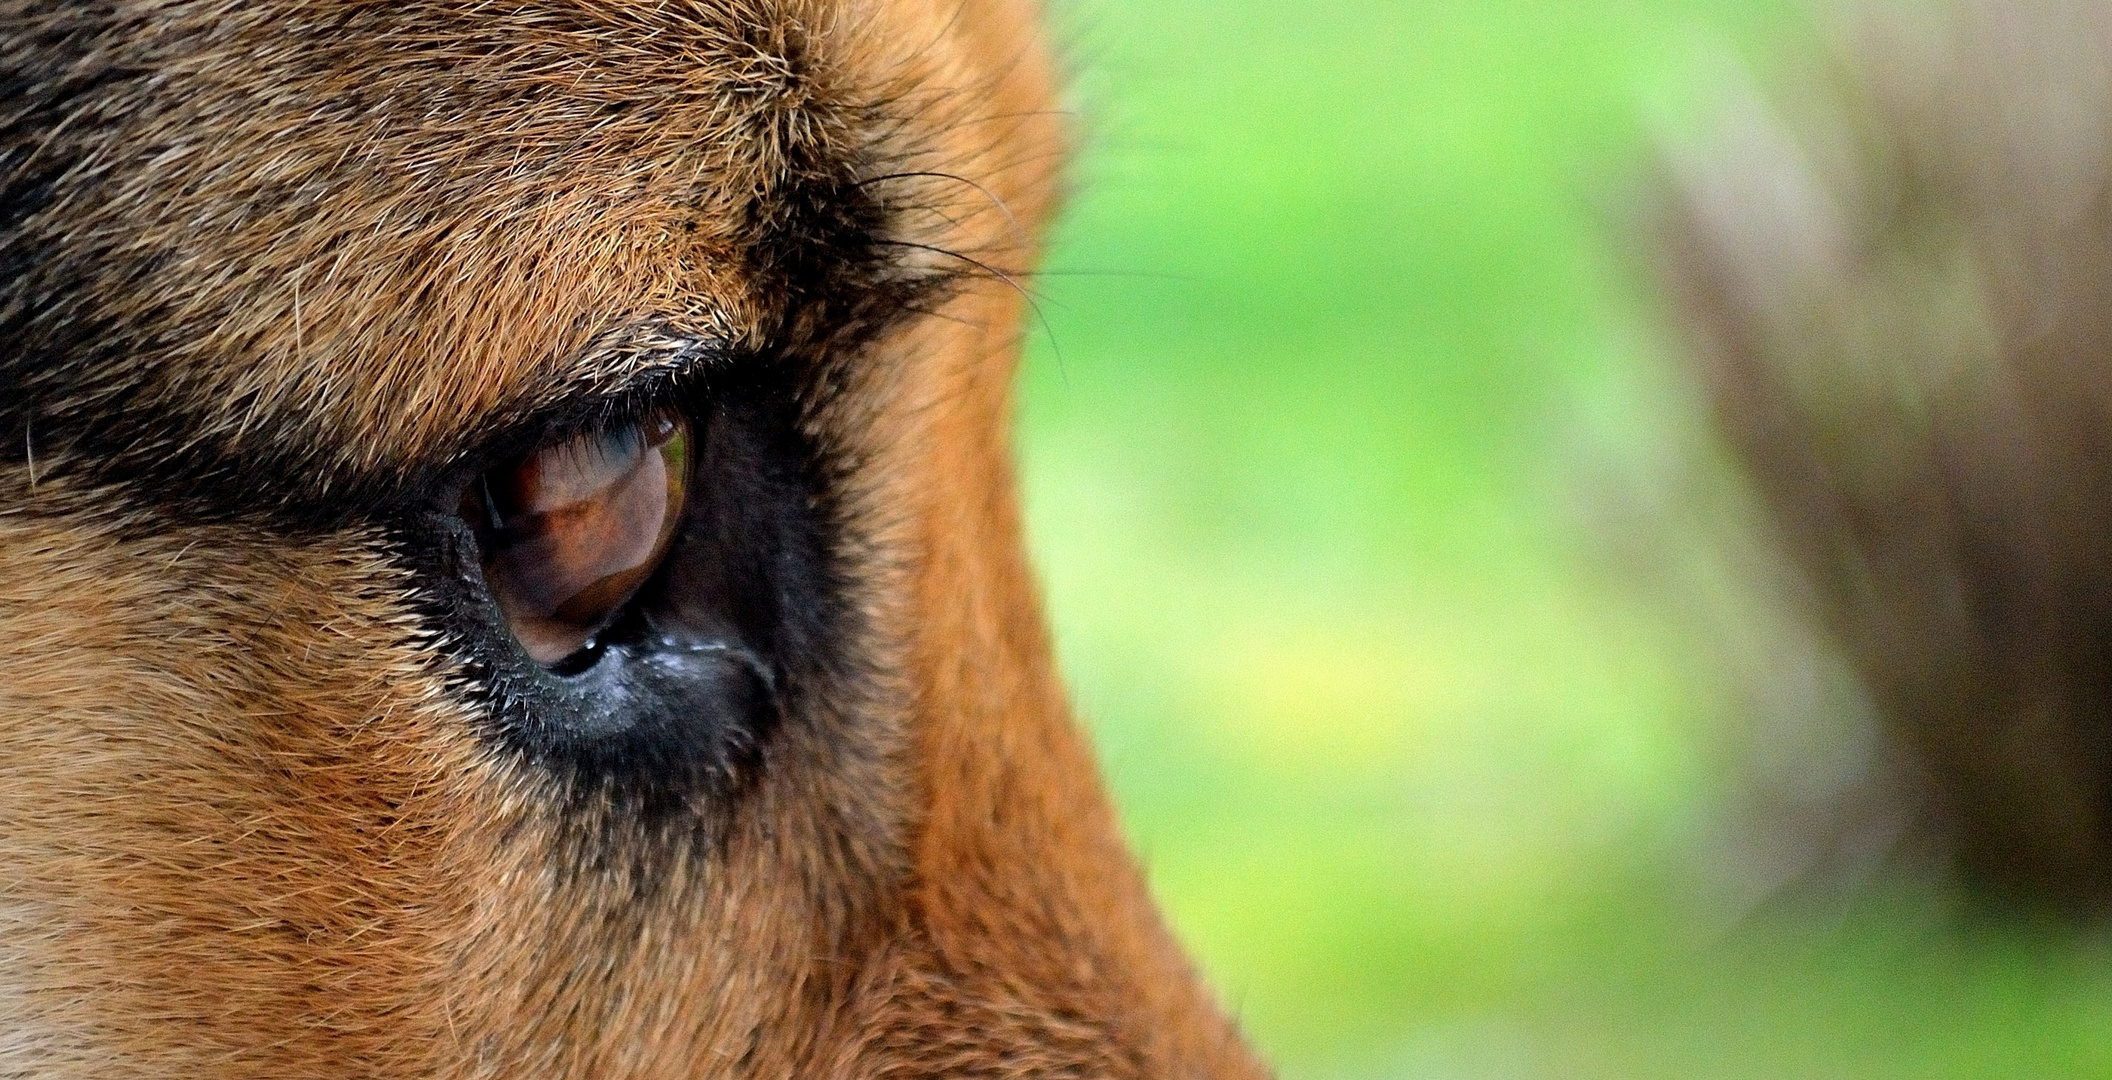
(640, 604)
(568, 534)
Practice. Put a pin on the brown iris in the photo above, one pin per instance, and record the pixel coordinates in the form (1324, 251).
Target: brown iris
(571, 532)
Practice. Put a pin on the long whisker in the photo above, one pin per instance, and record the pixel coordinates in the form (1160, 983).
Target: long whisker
(1010, 280)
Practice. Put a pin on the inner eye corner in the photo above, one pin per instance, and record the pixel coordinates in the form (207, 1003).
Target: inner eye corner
(569, 533)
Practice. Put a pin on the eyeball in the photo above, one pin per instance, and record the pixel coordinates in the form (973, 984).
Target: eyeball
(568, 534)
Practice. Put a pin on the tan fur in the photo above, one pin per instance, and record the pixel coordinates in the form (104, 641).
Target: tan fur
(248, 826)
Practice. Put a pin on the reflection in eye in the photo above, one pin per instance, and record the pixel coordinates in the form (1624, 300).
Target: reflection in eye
(569, 533)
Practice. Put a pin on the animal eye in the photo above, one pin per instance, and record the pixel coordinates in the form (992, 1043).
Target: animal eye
(569, 533)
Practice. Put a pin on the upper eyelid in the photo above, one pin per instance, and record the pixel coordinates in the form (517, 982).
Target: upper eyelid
(577, 407)
(561, 424)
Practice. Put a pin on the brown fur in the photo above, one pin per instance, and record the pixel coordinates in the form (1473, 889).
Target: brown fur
(1900, 307)
(250, 823)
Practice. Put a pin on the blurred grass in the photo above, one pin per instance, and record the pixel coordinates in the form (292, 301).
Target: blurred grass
(1420, 786)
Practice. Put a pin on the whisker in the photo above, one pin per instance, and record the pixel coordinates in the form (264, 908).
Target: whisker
(1010, 280)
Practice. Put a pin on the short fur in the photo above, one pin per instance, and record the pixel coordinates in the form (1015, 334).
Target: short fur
(273, 273)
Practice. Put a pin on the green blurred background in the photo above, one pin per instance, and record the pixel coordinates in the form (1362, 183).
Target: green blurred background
(1336, 332)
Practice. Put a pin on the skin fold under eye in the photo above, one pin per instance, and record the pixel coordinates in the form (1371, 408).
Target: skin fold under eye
(569, 533)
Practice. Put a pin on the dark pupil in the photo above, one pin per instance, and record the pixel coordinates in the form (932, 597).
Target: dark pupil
(572, 531)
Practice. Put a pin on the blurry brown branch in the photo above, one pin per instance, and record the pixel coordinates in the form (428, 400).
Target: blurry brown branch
(1900, 305)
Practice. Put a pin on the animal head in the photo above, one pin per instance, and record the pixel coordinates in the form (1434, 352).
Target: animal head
(509, 557)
